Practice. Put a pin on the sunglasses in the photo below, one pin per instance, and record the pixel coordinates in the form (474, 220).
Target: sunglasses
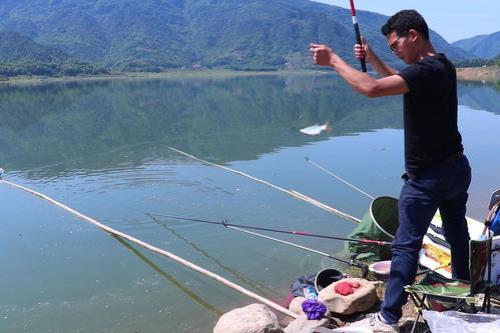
(394, 45)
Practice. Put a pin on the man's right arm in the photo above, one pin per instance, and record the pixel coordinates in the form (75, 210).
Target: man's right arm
(359, 81)
(365, 52)
(381, 67)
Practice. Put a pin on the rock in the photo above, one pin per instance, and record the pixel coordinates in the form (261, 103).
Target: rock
(302, 325)
(379, 288)
(378, 284)
(361, 300)
(296, 305)
(254, 318)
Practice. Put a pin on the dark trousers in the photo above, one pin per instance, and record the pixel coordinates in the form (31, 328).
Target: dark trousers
(445, 187)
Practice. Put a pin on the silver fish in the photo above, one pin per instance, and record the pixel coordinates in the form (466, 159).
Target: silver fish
(316, 129)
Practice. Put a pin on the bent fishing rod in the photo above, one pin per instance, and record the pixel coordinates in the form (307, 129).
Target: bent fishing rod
(363, 267)
(290, 232)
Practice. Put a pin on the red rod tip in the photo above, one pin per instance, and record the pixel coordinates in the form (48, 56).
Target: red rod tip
(353, 9)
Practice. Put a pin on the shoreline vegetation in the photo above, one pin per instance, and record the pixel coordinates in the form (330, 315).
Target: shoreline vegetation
(483, 74)
(170, 74)
(489, 74)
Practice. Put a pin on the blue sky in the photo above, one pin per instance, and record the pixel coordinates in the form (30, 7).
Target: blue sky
(452, 19)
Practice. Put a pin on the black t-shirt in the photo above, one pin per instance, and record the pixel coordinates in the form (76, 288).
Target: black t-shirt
(430, 112)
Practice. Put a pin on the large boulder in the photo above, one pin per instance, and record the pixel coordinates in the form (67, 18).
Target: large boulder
(254, 318)
(362, 298)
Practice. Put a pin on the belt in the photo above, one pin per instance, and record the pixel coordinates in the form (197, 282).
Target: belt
(452, 158)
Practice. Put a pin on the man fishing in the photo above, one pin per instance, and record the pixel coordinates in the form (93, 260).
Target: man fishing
(437, 173)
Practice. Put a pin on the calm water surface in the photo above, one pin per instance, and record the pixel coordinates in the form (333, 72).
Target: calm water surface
(101, 148)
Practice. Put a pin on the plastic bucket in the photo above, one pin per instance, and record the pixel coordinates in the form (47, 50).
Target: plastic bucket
(326, 277)
(383, 214)
(380, 223)
(381, 269)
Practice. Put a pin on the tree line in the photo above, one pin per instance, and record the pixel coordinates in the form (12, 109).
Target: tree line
(53, 69)
(478, 62)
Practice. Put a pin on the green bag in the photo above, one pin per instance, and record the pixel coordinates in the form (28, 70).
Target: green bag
(379, 223)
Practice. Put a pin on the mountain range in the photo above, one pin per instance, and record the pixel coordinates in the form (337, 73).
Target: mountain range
(154, 35)
(482, 46)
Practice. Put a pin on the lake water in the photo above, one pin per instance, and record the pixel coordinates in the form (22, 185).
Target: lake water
(102, 148)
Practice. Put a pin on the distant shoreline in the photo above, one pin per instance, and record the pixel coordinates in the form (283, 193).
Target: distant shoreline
(481, 74)
(172, 74)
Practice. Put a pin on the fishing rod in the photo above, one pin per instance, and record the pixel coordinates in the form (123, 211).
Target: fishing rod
(358, 34)
(363, 267)
(293, 193)
(339, 178)
(293, 232)
(157, 250)
(256, 285)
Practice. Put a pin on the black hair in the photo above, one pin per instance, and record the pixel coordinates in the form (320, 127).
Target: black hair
(403, 21)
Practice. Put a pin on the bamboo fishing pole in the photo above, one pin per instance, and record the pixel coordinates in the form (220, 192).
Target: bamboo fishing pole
(293, 193)
(360, 265)
(157, 250)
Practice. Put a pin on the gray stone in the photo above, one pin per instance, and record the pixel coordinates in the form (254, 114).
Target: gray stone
(254, 318)
(361, 300)
(303, 325)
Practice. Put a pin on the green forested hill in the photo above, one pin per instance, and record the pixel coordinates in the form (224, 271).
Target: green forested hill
(20, 55)
(16, 47)
(152, 35)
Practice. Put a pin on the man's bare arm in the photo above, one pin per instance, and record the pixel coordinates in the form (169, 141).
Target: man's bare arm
(365, 52)
(381, 67)
(359, 81)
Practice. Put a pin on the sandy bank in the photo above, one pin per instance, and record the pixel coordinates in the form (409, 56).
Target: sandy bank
(488, 74)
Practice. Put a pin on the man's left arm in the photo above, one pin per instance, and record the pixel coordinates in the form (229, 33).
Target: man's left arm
(359, 81)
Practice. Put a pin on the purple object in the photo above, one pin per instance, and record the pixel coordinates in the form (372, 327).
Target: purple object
(313, 309)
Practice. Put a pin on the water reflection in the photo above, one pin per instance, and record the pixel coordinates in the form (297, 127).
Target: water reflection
(102, 148)
(192, 295)
(97, 125)
(480, 96)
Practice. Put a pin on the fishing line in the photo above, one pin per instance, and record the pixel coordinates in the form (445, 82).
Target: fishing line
(293, 232)
(254, 284)
(339, 178)
(293, 193)
(360, 265)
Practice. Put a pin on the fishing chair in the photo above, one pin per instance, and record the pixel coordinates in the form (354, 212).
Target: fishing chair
(435, 292)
